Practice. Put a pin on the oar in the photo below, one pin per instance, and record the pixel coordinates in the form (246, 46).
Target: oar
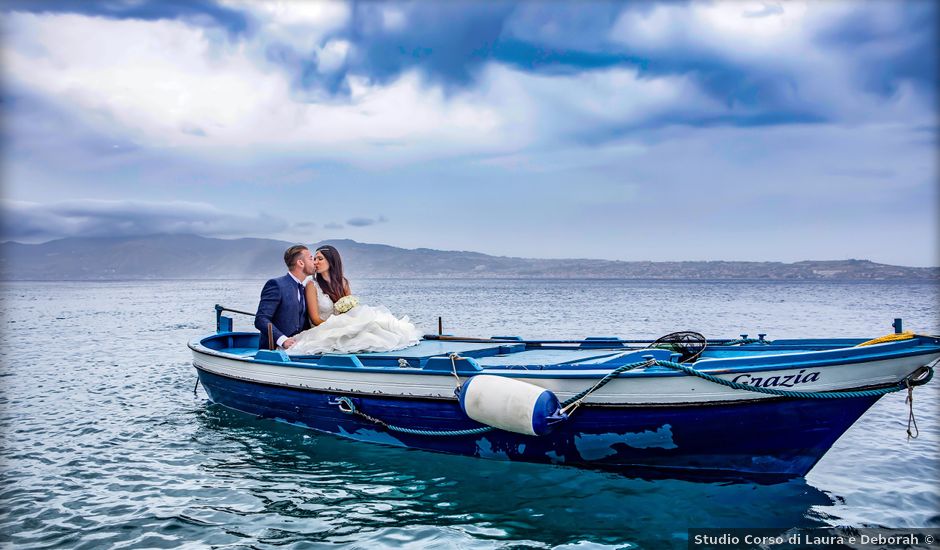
(445, 338)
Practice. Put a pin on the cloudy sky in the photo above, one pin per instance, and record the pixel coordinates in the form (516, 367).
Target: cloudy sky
(674, 131)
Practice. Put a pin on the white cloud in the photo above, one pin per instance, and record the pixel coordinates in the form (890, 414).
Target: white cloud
(167, 84)
(782, 43)
(547, 106)
(725, 27)
(159, 81)
(332, 55)
(303, 25)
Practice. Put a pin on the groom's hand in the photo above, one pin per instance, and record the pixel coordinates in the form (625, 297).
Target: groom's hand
(288, 343)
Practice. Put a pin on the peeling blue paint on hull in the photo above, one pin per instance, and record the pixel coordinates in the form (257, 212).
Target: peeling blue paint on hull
(767, 437)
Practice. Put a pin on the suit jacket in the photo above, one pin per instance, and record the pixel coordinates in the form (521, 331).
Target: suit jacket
(280, 306)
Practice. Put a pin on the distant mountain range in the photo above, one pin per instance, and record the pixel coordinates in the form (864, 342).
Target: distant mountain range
(193, 257)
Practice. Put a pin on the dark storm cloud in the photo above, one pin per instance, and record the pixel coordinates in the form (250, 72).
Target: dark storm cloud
(33, 222)
(197, 12)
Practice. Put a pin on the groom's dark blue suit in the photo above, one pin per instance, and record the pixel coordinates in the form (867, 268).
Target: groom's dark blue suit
(281, 306)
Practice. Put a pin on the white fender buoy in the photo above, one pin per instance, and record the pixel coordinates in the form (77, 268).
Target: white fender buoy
(510, 405)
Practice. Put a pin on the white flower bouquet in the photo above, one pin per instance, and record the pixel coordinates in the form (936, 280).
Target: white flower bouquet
(345, 303)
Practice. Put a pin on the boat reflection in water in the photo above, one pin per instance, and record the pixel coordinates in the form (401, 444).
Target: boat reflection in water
(295, 483)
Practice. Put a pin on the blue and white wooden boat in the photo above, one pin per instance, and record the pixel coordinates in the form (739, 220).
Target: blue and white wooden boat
(648, 418)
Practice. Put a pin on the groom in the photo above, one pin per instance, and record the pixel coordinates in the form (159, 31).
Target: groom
(282, 300)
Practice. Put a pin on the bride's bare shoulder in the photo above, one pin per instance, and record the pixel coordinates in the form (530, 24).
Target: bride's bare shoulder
(310, 285)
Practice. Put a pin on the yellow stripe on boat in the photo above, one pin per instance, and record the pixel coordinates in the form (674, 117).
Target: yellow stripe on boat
(906, 335)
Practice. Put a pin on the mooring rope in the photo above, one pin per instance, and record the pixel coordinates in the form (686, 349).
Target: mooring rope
(910, 414)
(453, 365)
(347, 406)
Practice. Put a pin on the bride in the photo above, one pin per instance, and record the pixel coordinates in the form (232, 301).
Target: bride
(360, 329)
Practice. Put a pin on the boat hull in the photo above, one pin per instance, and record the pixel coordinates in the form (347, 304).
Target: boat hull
(761, 437)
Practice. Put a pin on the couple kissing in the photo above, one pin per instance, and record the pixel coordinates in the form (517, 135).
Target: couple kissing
(311, 310)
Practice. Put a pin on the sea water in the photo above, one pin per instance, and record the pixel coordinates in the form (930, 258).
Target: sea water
(105, 445)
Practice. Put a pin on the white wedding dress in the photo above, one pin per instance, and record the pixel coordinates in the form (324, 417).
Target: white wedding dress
(363, 328)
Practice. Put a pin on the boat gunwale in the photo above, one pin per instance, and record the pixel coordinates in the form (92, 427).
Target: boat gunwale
(862, 355)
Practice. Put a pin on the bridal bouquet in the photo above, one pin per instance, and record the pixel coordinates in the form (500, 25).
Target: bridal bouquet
(345, 303)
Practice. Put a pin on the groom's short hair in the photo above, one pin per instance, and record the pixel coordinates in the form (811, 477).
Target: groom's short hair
(291, 254)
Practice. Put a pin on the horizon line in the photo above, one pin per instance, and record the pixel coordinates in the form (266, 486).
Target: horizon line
(151, 235)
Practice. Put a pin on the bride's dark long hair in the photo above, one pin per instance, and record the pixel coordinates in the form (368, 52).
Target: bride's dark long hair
(336, 287)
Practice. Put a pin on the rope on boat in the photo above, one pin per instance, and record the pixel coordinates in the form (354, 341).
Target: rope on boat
(346, 406)
(744, 341)
(453, 365)
(910, 414)
(917, 378)
(569, 405)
